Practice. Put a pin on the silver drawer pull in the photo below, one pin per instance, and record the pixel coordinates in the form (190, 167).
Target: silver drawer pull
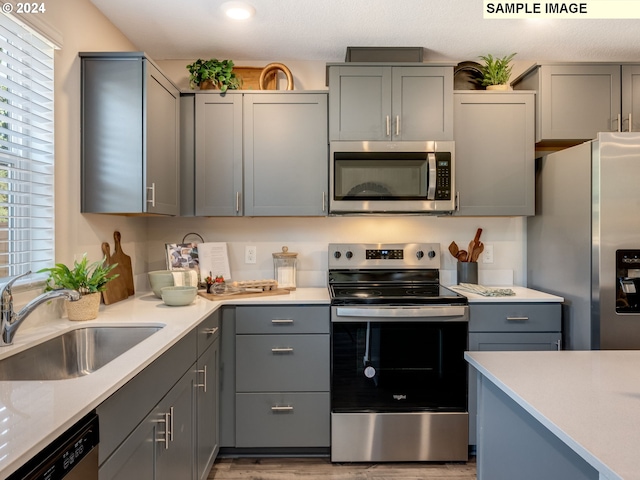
(282, 349)
(283, 321)
(282, 408)
(204, 379)
(517, 319)
(210, 331)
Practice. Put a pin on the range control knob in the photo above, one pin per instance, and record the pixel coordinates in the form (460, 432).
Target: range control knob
(349, 254)
(419, 254)
(431, 254)
(336, 254)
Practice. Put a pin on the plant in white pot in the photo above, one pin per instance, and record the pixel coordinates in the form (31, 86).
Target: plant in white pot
(88, 280)
(496, 71)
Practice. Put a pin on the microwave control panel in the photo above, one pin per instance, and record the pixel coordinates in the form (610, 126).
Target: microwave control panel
(443, 176)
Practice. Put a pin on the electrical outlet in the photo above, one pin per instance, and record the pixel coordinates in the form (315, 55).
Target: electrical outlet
(250, 254)
(487, 254)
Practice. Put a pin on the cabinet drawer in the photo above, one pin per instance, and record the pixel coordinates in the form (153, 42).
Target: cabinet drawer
(282, 420)
(507, 342)
(515, 317)
(282, 319)
(208, 331)
(274, 363)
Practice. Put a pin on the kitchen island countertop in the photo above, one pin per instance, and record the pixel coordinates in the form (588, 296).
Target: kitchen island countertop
(34, 413)
(590, 400)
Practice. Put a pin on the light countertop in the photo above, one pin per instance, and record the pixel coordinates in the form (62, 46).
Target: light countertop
(589, 399)
(33, 414)
(522, 294)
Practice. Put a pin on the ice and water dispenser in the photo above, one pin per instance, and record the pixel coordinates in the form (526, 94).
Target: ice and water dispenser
(628, 284)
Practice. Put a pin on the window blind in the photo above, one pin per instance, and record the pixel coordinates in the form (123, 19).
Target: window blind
(26, 149)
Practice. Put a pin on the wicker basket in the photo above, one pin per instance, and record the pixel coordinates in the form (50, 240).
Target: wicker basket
(84, 309)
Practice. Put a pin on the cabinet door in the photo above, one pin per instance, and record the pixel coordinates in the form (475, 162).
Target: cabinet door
(162, 143)
(175, 446)
(495, 153)
(631, 98)
(578, 101)
(285, 154)
(422, 103)
(207, 409)
(360, 103)
(218, 169)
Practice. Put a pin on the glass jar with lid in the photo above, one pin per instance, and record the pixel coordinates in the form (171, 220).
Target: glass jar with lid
(285, 268)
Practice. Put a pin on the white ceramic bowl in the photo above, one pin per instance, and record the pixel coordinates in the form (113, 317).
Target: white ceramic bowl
(159, 279)
(179, 296)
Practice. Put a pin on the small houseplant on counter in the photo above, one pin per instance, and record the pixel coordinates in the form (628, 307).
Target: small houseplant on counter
(496, 71)
(88, 280)
(213, 74)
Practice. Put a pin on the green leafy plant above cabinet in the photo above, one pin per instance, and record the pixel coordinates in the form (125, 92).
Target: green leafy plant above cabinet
(213, 74)
(496, 71)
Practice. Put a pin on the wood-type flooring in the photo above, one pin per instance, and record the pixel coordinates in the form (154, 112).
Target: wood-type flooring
(323, 469)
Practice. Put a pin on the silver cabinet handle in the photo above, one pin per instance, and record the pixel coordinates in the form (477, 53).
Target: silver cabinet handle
(282, 349)
(282, 321)
(282, 408)
(630, 129)
(210, 331)
(619, 129)
(204, 379)
(397, 125)
(152, 201)
(237, 202)
(517, 319)
(559, 344)
(167, 434)
(388, 126)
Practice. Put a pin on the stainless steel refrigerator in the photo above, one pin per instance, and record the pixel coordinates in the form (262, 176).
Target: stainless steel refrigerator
(584, 241)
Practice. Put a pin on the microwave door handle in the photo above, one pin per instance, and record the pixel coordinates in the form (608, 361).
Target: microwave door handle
(431, 192)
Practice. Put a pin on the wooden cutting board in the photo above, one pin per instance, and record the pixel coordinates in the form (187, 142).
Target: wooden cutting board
(222, 296)
(124, 263)
(116, 289)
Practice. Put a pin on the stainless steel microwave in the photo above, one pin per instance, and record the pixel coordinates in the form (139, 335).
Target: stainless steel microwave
(391, 177)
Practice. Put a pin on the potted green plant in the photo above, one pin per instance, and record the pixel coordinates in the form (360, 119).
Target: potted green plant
(213, 74)
(496, 71)
(88, 280)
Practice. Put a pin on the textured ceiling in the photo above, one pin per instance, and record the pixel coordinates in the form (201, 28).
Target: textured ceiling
(320, 30)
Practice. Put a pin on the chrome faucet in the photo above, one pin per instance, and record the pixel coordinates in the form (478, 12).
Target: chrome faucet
(10, 321)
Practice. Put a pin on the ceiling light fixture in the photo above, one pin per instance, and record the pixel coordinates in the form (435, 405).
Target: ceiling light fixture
(238, 10)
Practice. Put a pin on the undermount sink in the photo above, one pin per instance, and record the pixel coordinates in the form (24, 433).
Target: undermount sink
(74, 353)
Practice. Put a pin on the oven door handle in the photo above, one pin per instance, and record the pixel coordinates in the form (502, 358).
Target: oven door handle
(402, 312)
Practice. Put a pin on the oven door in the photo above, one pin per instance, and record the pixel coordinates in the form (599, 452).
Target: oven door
(370, 177)
(399, 359)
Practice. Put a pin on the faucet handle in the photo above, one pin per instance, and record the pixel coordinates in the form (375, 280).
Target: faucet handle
(6, 288)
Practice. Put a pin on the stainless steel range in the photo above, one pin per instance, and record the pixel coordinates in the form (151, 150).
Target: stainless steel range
(398, 376)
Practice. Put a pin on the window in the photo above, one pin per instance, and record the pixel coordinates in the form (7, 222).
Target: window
(26, 149)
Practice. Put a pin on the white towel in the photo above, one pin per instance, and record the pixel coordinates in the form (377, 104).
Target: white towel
(187, 278)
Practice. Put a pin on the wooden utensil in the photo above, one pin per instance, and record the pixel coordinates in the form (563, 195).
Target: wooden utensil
(116, 289)
(124, 263)
(453, 249)
(477, 251)
(462, 256)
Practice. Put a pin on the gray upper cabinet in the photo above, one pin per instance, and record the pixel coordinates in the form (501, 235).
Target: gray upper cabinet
(630, 98)
(130, 136)
(574, 102)
(218, 154)
(390, 103)
(286, 154)
(259, 154)
(495, 152)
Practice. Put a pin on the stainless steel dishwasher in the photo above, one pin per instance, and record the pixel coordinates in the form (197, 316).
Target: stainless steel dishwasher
(72, 456)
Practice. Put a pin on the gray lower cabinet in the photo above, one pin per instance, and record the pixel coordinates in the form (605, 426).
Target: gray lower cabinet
(282, 376)
(381, 102)
(130, 141)
(164, 423)
(495, 152)
(576, 101)
(510, 327)
(257, 154)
